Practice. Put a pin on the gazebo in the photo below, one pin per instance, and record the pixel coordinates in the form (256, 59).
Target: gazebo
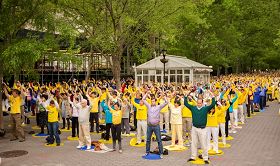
(177, 70)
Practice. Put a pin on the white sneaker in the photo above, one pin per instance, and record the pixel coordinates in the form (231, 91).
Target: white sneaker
(161, 156)
(79, 147)
(120, 151)
(88, 147)
(234, 132)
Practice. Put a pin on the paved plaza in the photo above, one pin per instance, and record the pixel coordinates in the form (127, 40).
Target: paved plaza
(257, 143)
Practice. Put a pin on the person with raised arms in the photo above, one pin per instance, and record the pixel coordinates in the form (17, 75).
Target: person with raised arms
(199, 132)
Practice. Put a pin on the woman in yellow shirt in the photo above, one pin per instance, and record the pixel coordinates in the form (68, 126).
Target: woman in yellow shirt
(53, 125)
(212, 128)
(116, 127)
(222, 118)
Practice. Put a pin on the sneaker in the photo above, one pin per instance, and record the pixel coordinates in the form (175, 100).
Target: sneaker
(127, 135)
(13, 139)
(120, 151)
(21, 140)
(161, 156)
(234, 132)
(188, 144)
(79, 147)
(191, 159)
(88, 147)
(200, 156)
(57, 144)
(137, 143)
(206, 162)
(146, 154)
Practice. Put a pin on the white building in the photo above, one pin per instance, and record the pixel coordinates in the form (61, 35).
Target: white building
(178, 69)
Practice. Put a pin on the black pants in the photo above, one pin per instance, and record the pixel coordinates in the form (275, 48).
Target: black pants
(135, 120)
(116, 134)
(28, 106)
(68, 123)
(250, 108)
(226, 124)
(75, 126)
(94, 118)
(269, 97)
(108, 128)
(262, 102)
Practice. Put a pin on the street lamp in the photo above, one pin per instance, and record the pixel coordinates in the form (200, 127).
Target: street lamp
(164, 61)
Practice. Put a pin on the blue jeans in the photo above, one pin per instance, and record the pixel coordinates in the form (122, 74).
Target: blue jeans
(156, 130)
(53, 130)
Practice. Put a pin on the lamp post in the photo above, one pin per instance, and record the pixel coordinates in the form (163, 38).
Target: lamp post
(164, 61)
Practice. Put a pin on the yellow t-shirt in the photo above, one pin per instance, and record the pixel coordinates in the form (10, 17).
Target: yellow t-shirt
(15, 103)
(142, 111)
(52, 114)
(116, 116)
(94, 102)
(222, 113)
(212, 119)
(164, 109)
(186, 113)
(103, 96)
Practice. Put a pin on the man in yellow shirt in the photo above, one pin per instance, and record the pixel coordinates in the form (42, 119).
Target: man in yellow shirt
(15, 102)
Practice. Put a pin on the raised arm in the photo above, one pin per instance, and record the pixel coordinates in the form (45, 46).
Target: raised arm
(210, 107)
(6, 92)
(186, 103)
(163, 104)
(145, 101)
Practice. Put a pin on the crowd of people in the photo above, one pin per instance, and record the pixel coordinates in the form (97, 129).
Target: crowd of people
(193, 114)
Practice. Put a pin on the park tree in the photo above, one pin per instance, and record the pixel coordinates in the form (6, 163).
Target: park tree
(20, 53)
(112, 25)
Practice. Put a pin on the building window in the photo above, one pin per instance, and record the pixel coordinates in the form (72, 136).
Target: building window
(187, 71)
(172, 71)
(152, 78)
(179, 72)
(139, 79)
(187, 79)
(158, 78)
(172, 78)
(158, 71)
(145, 78)
(179, 78)
(145, 71)
(139, 71)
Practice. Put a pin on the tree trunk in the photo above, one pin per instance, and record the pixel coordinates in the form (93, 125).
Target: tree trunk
(1, 93)
(226, 70)
(219, 71)
(116, 69)
(90, 61)
(89, 67)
